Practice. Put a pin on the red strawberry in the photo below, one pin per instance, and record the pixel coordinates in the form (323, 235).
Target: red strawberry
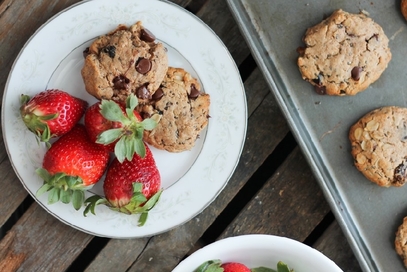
(51, 113)
(234, 267)
(72, 165)
(131, 187)
(217, 266)
(118, 127)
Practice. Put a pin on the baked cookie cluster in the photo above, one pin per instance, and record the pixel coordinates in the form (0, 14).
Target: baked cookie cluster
(129, 60)
(343, 54)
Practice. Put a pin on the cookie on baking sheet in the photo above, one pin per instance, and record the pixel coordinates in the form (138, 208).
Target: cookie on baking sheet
(182, 109)
(400, 242)
(126, 60)
(379, 145)
(403, 7)
(343, 54)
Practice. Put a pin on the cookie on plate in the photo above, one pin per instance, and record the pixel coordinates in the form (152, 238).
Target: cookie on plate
(343, 54)
(126, 60)
(403, 7)
(400, 242)
(379, 145)
(182, 110)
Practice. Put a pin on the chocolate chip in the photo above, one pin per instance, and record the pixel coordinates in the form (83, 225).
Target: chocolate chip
(142, 92)
(319, 89)
(158, 94)
(145, 115)
(356, 71)
(146, 35)
(194, 92)
(143, 66)
(86, 52)
(400, 174)
(301, 50)
(111, 50)
(121, 82)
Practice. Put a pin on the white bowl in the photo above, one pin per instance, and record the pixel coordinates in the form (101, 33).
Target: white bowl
(256, 250)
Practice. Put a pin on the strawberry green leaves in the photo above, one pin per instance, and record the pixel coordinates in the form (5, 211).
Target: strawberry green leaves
(210, 266)
(138, 203)
(281, 267)
(61, 187)
(129, 134)
(36, 124)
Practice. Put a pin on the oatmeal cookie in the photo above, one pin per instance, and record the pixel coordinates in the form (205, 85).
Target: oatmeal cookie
(400, 242)
(126, 60)
(403, 8)
(343, 54)
(379, 146)
(182, 109)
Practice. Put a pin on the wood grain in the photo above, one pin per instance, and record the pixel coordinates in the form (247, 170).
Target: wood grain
(12, 193)
(46, 243)
(290, 195)
(334, 245)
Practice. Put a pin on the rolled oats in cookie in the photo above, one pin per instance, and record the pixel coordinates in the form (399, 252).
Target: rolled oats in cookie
(400, 242)
(126, 60)
(379, 146)
(182, 109)
(343, 54)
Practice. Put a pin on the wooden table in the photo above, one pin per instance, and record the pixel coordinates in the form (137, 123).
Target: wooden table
(272, 191)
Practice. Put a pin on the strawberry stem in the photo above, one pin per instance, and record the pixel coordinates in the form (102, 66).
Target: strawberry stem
(138, 204)
(61, 187)
(130, 134)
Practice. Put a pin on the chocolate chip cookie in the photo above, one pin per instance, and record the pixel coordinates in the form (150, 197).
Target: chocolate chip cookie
(343, 54)
(182, 109)
(126, 60)
(379, 146)
(403, 7)
(400, 242)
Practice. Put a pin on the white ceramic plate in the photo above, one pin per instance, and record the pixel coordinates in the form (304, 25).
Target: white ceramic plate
(52, 58)
(256, 250)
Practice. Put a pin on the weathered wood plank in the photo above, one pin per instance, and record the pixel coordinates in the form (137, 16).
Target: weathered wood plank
(118, 255)
(12, 193)
(43, 242)
(216, 14)
(334, 245)
(290, 204)
(9, 260)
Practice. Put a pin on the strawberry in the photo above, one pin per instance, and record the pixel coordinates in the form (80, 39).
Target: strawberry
(131, 187)
(234, 267)
(118, 127)
(51, 113)
(72, 165)
(218, 266)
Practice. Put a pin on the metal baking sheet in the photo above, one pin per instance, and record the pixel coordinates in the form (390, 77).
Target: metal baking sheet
(368, 214)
